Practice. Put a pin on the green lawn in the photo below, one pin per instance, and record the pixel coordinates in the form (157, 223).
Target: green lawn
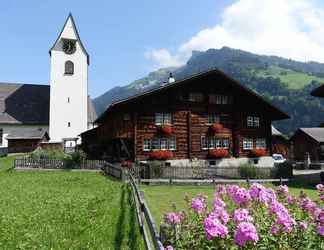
(64, 210)
(161, 198)
(294, 79)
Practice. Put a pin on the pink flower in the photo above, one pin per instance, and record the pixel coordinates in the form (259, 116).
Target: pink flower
(320, 188)
(245, 232)
(255, 190)
(198, 204)
(275, 229)
(241, 196)
(220, 213)
(220, 189)
(283, 189)
(290, 199)
(168, 248)
(242, 215)
(322, 197)
(173, 218)
(214, 228)
(303, 225)
(320, 230)
(266, 196)
(218, 202)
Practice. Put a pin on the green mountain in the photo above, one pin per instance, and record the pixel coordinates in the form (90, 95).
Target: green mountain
(284, 82)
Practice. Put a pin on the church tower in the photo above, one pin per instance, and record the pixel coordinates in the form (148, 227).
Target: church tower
(69, 85)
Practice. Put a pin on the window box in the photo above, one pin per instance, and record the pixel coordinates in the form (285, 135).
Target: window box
(258, 152)
(166, 130)
(218, 153)
(217, 127)
(161, 155)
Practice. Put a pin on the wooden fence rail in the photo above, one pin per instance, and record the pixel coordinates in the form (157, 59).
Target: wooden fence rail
(145, 219)
(30, 163)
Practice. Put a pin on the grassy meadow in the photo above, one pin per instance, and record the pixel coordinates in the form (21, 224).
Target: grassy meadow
(64, 210)
(161, 198)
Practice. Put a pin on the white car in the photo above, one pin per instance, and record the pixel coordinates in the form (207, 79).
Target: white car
(278, 158)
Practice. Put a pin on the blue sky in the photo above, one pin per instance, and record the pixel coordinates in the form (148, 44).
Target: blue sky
(128, 39)
(115, 33)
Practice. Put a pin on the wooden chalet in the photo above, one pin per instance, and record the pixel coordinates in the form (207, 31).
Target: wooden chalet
(189, 118)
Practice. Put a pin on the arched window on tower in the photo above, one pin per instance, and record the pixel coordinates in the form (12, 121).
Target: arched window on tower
(69, 68)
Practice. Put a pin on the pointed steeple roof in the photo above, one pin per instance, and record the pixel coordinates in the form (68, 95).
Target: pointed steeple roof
(70, 17)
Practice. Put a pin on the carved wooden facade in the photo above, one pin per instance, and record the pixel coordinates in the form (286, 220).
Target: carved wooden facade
(190, 107)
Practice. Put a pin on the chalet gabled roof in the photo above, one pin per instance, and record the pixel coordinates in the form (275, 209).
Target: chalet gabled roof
(21, 134)
(24, 103)
(316, 133)
(318, 92)
(280, 114)
(77, 35)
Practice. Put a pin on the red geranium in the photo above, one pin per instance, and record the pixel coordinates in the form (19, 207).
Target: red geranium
(127, 164)
(161, 155)
(166, 129)
(258, 152)
(217, 127)
(218, 153)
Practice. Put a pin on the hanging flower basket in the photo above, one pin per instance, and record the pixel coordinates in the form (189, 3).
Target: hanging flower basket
(166, 130)
(258, 153)
(218, 153)
(217, 127)
(161, 155)
(127, 164)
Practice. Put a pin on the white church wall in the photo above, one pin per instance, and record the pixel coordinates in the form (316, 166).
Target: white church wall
(13, 128)
(69, 93)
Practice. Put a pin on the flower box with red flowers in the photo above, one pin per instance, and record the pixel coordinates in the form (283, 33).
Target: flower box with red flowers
(166, 130)
(218, 153)
(127, 164)
(258, 152)
(161, 155)
(216, 127)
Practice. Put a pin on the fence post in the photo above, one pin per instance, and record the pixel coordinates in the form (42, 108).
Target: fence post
(280, 180)
(248, 181)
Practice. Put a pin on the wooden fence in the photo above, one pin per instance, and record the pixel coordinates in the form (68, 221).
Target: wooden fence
(30, 163)
(145, 219)
(115, 171)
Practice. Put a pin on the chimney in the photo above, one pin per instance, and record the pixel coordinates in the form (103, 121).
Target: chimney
(171, 78)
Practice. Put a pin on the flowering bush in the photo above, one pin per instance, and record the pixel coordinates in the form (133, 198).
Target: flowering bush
(249, 218)
(166, 130)
(218, 153)
(258, 152)
(161, 155)
(127, 164)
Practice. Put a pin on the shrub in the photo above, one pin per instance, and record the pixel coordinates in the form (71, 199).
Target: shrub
(218, 153)
(284, 170)
(78, 156)
(47, 154)
(247, 218)
(248, 171)
(166, 130)
(156, 169)
(217, 127)
(258, 152)
(161, 155)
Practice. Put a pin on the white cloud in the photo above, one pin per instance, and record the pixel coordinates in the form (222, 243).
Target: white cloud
(288, 28)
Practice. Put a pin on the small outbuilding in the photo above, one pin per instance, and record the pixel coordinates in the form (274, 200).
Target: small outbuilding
(308, 141)
(26, 141)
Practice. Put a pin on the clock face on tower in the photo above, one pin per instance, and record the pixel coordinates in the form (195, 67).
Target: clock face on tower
(69, 46)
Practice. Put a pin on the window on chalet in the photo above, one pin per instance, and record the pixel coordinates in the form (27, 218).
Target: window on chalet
(220, 99)
(253, 121)
(209, 142)
(260, 143)
(163, 118)
(159, 144)
(247, 143)
(213, 118)
(196, 97)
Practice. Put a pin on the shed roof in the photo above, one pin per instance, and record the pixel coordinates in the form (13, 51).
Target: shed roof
(31, 134)
(279, 114)
(316, 133)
